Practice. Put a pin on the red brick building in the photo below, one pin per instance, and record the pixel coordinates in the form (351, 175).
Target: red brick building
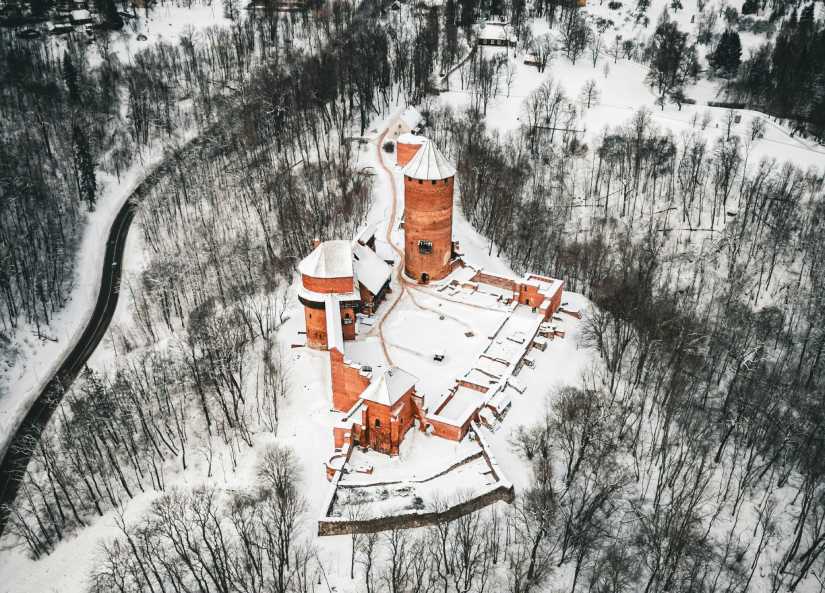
(383, 413)
(338, 280)
(428, 215)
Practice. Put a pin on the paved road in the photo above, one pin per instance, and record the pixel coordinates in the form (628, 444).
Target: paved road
(19, 451)
(18, 454)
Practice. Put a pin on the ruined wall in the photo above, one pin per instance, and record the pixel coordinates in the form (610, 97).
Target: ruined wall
(428, 215)
(497, 281)
(474, 386)
(449, 431)
(529, 295)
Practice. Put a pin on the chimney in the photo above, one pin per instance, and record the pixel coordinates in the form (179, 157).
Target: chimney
(316, 242)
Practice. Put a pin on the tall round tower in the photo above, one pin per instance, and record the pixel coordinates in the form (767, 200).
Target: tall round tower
(428, 214)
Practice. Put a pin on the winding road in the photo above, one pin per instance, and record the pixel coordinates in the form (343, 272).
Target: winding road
(21, 446)
(17, 455)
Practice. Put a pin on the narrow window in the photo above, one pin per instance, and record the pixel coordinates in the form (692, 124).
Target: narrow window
(377, 423)
(425, 247)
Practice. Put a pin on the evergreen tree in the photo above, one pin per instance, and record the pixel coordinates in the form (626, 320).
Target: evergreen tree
(750, 7)
(84, 167)
(728, 54)
(467, 13)
(672, 61)
(70, 77)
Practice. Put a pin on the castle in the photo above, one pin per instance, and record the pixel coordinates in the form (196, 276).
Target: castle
(341, 279)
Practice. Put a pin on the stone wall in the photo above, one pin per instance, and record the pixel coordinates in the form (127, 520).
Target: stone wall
(327, 526)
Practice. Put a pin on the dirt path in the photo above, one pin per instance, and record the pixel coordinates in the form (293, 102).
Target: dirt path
(403, 282)
(390, 225)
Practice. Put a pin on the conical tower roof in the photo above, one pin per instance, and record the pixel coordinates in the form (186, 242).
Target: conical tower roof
(429, 164)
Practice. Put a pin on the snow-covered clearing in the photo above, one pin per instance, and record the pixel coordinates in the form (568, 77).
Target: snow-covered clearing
(623, 91)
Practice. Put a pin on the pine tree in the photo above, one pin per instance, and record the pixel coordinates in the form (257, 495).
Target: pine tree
(750, 7)
(451, 35)
(84, 167)
(70, 77)
(728, 54)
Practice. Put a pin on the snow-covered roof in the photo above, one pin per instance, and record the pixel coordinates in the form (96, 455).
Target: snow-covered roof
(412, 117)
(331, 259)
(388, 387)
(81, 15)
(546, 286)
(410, 138)
(367, 234)
(429, 164)
(494, 30)
(371, 271)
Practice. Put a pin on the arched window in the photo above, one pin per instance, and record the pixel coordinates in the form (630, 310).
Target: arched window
(377, 423)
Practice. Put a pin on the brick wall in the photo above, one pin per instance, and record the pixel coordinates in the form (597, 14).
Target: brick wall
(387, 437)
(428, 215)
(450, 431)
(347, 382)
(497, 281)
(473, 386)
(348, 328)
(529, 295)
(327, 285)
(316, 324)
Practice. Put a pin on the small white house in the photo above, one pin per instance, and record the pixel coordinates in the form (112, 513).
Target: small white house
(496, 33)
(81, 17)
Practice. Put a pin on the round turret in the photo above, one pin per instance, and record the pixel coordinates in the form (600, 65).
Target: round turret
(428, 214)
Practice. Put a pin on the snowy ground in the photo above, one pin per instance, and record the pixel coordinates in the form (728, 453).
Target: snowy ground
(623, 91)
